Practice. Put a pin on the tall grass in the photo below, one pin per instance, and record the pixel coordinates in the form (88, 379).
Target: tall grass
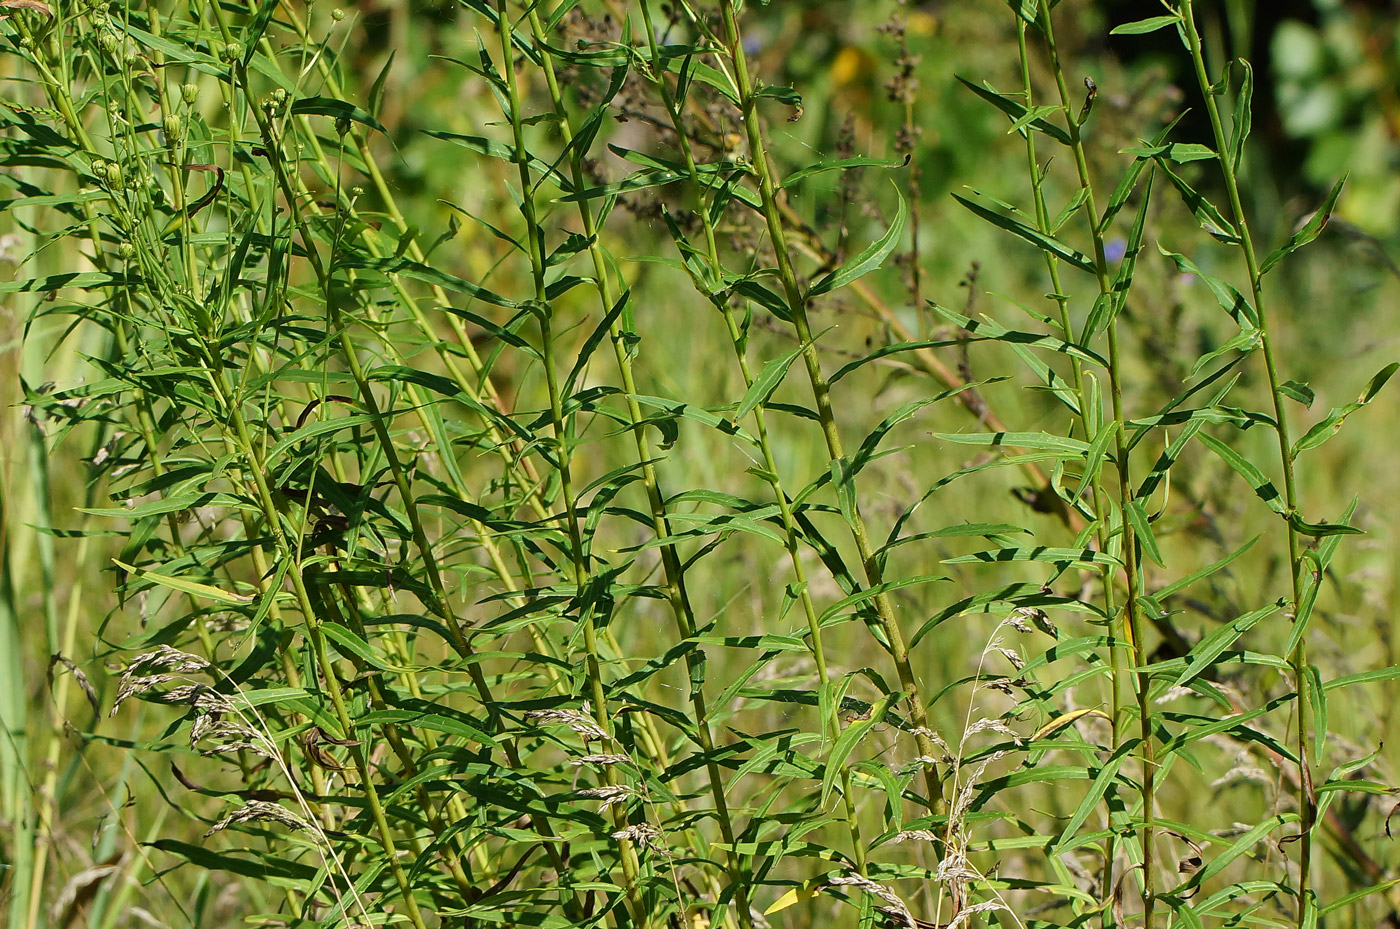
(546, 554)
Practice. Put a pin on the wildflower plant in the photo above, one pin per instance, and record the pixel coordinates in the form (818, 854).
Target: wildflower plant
(448, 606)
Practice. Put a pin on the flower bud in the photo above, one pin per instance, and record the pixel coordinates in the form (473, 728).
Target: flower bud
(172, 126)
(189, 93)
(337, 14)
(126, 250)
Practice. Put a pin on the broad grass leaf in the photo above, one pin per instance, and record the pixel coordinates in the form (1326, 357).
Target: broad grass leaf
(871, 258)
(261, 866)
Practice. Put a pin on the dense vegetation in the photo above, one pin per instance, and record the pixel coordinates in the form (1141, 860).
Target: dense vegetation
(698, 463)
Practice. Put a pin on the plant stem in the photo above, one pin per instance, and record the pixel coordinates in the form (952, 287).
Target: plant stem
(1131, 621)
(1052, 264)
(1307, 803)
(627, 852)
(791, 533)
(797, 308)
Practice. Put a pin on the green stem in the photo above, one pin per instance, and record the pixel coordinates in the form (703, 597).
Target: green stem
(627, 852)
(791, 534)
(1307, 805)
(1043, 222)
(676, 594)
(1132, 626)
(797, 308)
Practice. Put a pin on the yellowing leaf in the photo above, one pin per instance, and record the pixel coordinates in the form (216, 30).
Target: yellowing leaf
(793, 897)
(184, 586)
(1064, 719)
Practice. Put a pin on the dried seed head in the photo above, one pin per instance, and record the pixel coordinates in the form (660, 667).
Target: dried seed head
(968, 912)
(578, 722)
(229, 735)
(155, 668)
(643, 834)
(917, 835)
(895, 908)
(1016, 660)
(259, 811)
(599, 760)
(79, 676)
(79, 888)
(610, 795)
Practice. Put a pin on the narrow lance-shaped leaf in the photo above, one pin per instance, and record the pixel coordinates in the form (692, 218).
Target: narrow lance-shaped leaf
(1310, 230)
(1037, 238)
(1144, 26)
(870, 259)
(1244, 101)
(1017, 111)
(1332, 424)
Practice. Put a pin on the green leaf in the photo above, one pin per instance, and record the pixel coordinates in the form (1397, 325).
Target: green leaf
(1210, 647)
(1016, 111)
(868, 260)
(1332, 424)
(1030, 234)
(348, 641)
(1178, 152)
(1229, 298)
(1102, 779)
(1142, 531)
(849, 738)
(1041, 553)
(422, 272)
(1065, 447)
(340, 109)
(841, 480)
(1310, 230)
(1297, 390)
(768, 380)
(1243, 115)
(184, 586)
(1246, 469)
(1144, 26)
(1207, 214)
(840, 164)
